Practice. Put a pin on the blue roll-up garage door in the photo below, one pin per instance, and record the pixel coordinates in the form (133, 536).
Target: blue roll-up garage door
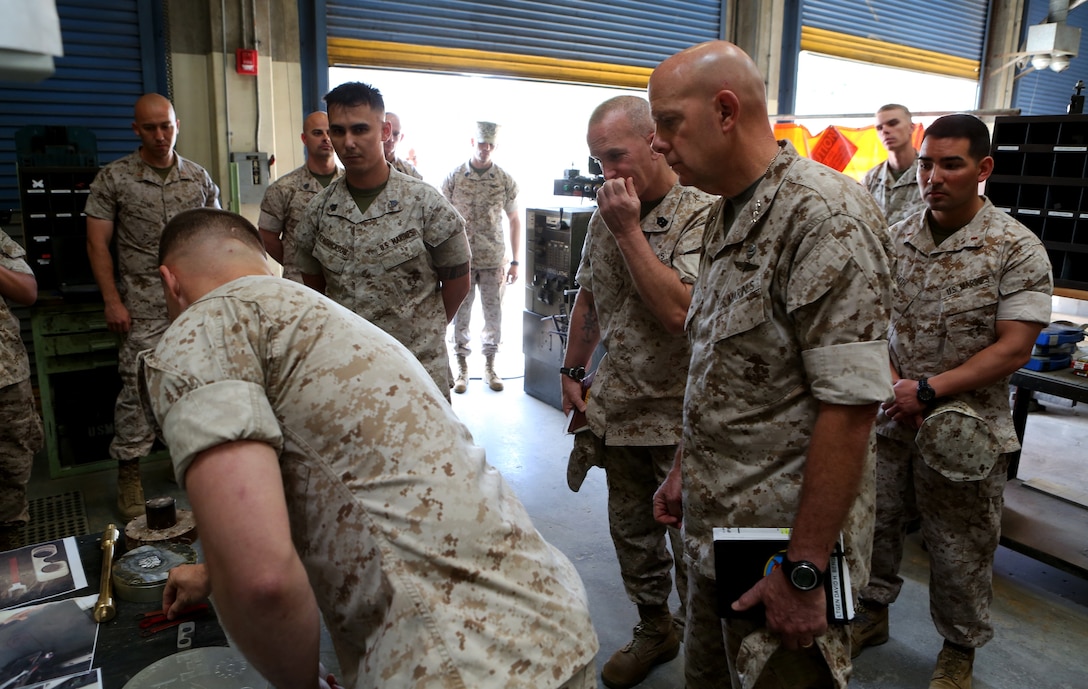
(952, 27)
(1046, 92)
(946, 37)
(113, 53)
(629, 32)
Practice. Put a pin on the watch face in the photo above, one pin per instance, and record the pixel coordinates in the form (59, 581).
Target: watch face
(804, 577)
(925, 392)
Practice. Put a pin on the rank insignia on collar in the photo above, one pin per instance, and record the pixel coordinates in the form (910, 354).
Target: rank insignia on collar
(392, 204)
(332, 206)
(661, 222)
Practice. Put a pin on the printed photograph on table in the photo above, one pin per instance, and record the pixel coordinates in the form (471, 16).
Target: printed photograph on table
(48, 641)
(40, 571)
(91, 679)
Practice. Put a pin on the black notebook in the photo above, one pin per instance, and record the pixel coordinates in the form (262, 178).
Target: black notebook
(744, 556)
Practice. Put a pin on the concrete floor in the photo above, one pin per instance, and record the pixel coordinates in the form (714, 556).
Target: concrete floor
(1040, 612)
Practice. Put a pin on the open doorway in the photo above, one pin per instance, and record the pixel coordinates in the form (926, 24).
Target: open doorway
(543, 134)
(543, 123)
(830, 85)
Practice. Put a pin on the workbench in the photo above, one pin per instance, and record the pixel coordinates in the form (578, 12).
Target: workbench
(120, 651)
(1062, 383)
(1038, 524)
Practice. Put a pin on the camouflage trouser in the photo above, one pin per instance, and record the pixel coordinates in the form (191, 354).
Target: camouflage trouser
(708, 666)
(132, 435)
(633, 474)
(705, 664)
(20, 437)
(961, 525)
(492, 285)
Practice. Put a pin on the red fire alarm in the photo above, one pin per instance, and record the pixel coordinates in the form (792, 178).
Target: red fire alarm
(246, 61)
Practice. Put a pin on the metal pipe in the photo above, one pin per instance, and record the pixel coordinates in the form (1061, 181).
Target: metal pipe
(1002, 112)
(257, 77)
(226, 90)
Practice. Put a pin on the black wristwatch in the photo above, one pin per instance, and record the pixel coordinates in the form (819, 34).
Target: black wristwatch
(575, 372)
(926, 393)
(803, 575)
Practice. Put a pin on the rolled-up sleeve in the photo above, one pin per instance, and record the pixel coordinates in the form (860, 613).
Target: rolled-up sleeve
(852, 373)
(215, 414)
(205, 381)
(1027, 284)
(841, 296)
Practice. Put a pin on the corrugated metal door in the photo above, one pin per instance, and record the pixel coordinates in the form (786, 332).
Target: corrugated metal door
(1046, 92)
(952, 27)
(113, 53)
(628, 32)
(946, 37)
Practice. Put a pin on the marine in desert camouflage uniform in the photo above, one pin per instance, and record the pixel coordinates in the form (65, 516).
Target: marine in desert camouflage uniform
(295, 422)
(130, 201)
(639, 261)
(894, 182)
(482, 192)
(789, 360)
(396, 135)
(974, 292)
(285, 201)
(387, 246)
(20, 425)
(405, 168)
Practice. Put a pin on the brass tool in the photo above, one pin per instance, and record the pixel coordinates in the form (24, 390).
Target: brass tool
(104, 609)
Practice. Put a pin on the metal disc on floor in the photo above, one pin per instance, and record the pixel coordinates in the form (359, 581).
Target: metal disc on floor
(213, 667)
(140, 574)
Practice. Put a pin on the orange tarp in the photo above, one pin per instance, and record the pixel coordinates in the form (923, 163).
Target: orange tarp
(832, 146)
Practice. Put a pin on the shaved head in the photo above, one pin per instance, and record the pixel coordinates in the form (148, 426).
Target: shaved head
(315, 137)
(709, 104)
(154, 121)
(193, 229)
(635, 111)
(153, 105)
(895, 106)
(389, 146)
(204, 248)
(619, 136)
(317, 119)
(708, 68)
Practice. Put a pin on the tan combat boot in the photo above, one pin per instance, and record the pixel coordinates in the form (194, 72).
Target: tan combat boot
(492, 378)
(655, 641)
(869, 628)
(130, 492)
(953, 669)
(460, 384)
